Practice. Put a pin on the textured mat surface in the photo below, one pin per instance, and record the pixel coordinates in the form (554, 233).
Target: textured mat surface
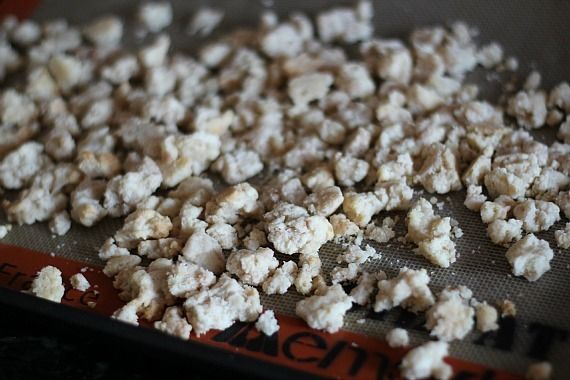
(534, 31)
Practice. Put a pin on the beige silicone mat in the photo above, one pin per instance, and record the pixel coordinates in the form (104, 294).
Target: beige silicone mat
(537, 32)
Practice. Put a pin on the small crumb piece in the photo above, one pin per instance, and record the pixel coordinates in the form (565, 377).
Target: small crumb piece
(563, 237)
(475, 173)
(205, 251)
(19, 166)
(474, 198)
(457, 232)
(292, 231)
(252, 267)
(491, 211)
(426, 361)
(282, 41)
(105, 31)
(60, 224)
(452, 316)
(563, 201)
(255, 239)
(409, 290)
(508, 308)
(267, 323)
(324, 201)
(48, 284)
(221, 305)
(357, 255)
(539, 371)
(343, 228)
(308, 87)
(4, 229)
(152, 55)
(318, 178)
(119, 263)
(155, 15)
(355, 80)
(174, 323)
(549, 183)
(438, 173)
(95, 165)
(344, 274)
(564, 131)
(512, 64)
(281, 279)
(326, 310)
(554, 117)
(529, 108)
(309, 268)
(186, 278)
(537, 215)
(79, 282)
(232, 203)
(431, 233)
(68, 71)
(349, 170)
(361, 207)
(398, 337)
(238, 166)
(110, 249)
(532, 82)
(381, 234)
(204, 21)
(560, 97)
(155, 249)
(490, 55)
(141, 225)
(530, 257)
(487, 317)
(346, 24)
(26, 33)
(366, 285)
(503, 232)
(225, 234)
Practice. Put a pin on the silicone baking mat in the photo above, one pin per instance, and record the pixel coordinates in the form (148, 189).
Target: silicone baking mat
(536, 32)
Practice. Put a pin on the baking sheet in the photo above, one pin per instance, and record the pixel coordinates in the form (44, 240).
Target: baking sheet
(534, 31)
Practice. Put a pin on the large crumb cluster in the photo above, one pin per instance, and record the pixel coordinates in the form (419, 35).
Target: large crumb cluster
(267, 144)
